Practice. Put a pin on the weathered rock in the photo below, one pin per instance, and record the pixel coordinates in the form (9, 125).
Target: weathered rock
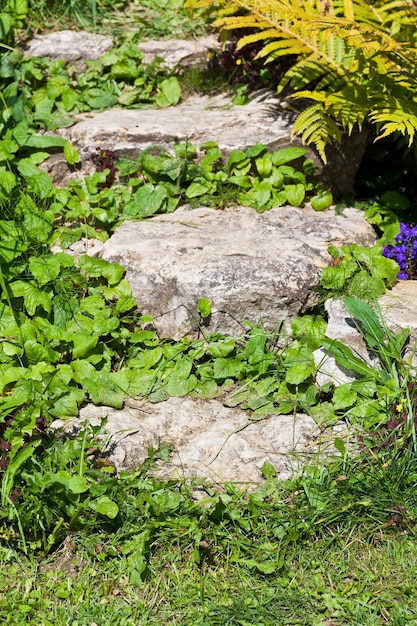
(256, 267)
(198, 119)
(209, 440)
(179, 52)
(92, 247)
(398, 308)
(70, 46)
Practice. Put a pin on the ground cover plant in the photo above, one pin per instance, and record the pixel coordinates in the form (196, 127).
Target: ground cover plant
(159, 181)
(80, 544)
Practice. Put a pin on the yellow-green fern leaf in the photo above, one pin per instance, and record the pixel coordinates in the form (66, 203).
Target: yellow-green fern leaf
(393, 115)
(317, 128)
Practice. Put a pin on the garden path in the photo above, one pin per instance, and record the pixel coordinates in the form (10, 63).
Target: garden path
(287, 246)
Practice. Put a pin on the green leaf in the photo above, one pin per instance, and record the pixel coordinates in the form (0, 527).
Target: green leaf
(8, 180)
(12, 468)
(187, 151)
(105, 506)
(295, 194)
(44, 269)
(261, 192)
(71, 154)
(256, 150)
(365, 286)
(96, 99)
(340, 446)
(198, 188)
(335, 278)
(104, 323)
(268, 470)
(264, 165)
(345, 357)
(386, 269)
(366, 320)
(112, 272)
(208, 389)
(395, 201)
(322, 201)
(222, 348)
(84, 342)
(204, 307)
(102, 392)
(286, 155)
(238, 163)
(77, 484)
(344, 396)
(227, 368)
(32, 296)
(179, 387)
(276, 179)
(11, 375)
(309, 329)
(148, 200)
(265, 567)
(43, 142)
(8, 322)
(35, 352)
(37, 225)
(299, 372)
(169, 92)
(67, 405)
(37, 180)
(181, 368)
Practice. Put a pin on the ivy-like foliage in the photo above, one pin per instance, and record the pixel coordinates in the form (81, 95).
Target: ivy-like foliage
(354, 59)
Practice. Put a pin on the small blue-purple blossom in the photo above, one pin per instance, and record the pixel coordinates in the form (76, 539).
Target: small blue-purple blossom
(404, 250)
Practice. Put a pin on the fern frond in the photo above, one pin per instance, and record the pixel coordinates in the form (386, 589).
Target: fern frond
(393, 115)
(317, 128)
(350, 106)
(308, 71)
(282, 47)
(243, 21)
(357, 54)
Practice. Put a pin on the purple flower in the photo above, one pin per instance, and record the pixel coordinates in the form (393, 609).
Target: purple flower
(404, 251)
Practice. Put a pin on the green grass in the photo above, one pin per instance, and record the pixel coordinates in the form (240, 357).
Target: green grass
(363, 580)
(150, 19)
(333, 546)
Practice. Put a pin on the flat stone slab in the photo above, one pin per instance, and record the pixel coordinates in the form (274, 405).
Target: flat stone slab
(209, 440)
(70, 46)
(198, 119)
(179, 52)
(251, 266)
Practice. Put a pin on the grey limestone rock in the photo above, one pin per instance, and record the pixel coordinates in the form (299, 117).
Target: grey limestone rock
(197, 119)
(209, 440)
(70, 46)
(179, 52)
(255, 267)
